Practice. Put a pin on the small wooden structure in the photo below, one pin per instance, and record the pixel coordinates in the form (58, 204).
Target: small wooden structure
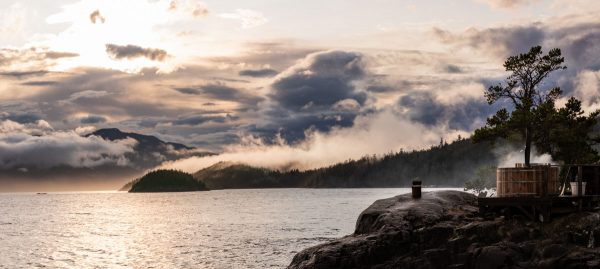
(534, 191)
(537, 180)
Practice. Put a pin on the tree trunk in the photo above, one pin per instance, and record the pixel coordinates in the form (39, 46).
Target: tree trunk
(527, 146)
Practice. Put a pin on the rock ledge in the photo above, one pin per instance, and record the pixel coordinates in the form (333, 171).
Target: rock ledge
(444, 230)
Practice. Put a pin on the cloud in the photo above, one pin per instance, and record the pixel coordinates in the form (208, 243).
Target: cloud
(84, 130)
(501, 42)
(220, 91)
(200, 10)
(276, 55)
(587, 88)
(320, 92)
(453, 69)
(132, 51)
(33, 61)
(195, 8)
(188, 90)
(248, 18)
(319, 81)
(87, 94)
(379, 88)
(39, 83)
(464, 114)
(258, 73)
(22, 117)
(421, 107)
(293, 127)
(508, 4)
(578, 50)
(20, 111)
(85, 98)
(324, 102)
(317, 93)
(35, 128)
(128, 99)
(13, 19)
(97, 17)
(22, 74)
(574, 35)
(201, 119)
(373, 134)
(58, 54)
(346, 105)
(92, 119)
(173, 5)
(38, 146)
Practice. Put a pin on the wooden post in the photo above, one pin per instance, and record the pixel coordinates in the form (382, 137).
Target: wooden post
(416, 189)
(579, 178)
(579, 185)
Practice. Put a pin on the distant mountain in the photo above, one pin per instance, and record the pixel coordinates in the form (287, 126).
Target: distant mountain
(144, 141)
(149, 150)
(445, 165)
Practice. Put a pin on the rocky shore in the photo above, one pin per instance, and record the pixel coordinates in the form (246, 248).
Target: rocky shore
(445, 230)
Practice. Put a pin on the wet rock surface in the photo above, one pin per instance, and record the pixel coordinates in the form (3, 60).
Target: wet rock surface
(445, 230)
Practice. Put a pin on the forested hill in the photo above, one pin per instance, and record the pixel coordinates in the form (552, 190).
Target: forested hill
(445, 165)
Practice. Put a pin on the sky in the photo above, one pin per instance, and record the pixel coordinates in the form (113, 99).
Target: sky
(269, 82)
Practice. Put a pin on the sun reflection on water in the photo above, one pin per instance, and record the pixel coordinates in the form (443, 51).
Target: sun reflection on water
(216, 229)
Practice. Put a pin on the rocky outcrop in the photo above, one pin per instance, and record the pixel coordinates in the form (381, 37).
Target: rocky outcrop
(445, 230)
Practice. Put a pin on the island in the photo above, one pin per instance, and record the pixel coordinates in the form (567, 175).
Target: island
(445, 229)
(167, 181)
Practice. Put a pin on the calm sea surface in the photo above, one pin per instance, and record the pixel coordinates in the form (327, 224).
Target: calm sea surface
(261, 228)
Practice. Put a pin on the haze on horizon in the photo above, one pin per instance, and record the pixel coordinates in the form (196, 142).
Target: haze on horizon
(274, 83)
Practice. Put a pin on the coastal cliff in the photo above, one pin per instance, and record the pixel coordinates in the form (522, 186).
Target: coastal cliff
(444, 230)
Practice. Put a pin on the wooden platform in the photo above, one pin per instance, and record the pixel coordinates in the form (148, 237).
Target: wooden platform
(538, 208)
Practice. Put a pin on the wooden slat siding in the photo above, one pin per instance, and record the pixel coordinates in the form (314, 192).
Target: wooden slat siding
(539, 181)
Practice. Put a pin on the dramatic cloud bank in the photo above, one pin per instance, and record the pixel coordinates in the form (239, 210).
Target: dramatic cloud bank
(38, 146)
(377, 134)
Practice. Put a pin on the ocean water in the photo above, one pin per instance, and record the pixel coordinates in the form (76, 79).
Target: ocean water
(257, 228)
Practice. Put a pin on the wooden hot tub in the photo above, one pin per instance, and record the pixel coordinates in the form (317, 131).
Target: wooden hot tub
(537, 180)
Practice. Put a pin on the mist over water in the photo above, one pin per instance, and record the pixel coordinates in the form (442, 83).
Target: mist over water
(217, 229)
(375, 134)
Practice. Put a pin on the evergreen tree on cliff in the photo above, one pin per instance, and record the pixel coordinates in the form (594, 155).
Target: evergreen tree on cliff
(567, 133)
(563, 133)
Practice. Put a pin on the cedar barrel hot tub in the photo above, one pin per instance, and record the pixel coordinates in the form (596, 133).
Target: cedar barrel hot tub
(533, 191)
(538, 180)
